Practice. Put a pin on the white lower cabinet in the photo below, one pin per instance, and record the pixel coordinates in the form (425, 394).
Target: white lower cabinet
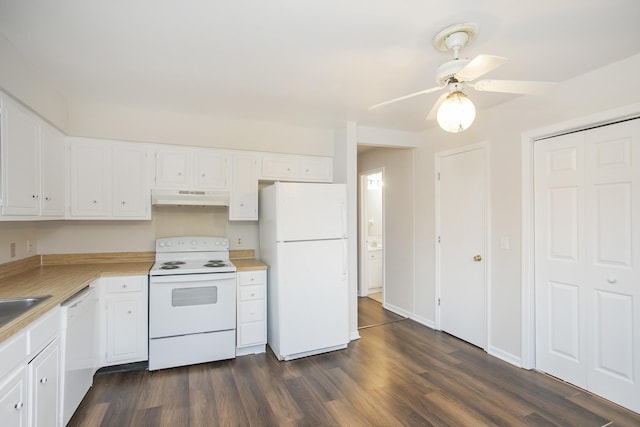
(124, 320)
(252, 312)
(29, 375)
(44, 376)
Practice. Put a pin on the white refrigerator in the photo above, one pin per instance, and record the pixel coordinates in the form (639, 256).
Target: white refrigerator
(303, 240)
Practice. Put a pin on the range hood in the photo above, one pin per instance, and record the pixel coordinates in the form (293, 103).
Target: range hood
(189, 197)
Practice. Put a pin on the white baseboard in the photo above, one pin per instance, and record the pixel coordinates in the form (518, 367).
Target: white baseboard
(355, 335)
(423, 321)
(506, 356)
(397, 310)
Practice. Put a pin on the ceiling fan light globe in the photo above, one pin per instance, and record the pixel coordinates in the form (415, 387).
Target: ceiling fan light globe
(456, 113)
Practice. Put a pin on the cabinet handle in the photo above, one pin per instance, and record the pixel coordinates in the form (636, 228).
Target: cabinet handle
(253, 294)
(95, 202)
(43, 380)
(124, 203)
(47, 198)
(204, 174)
(18, 406)
(124, 286)
(33, 196)
(612, 280)
(129, 311)
(179, 173)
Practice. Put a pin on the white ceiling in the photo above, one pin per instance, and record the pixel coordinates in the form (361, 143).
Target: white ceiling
(309, 62)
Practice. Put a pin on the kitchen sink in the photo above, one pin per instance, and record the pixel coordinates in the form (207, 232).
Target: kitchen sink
(10, 308)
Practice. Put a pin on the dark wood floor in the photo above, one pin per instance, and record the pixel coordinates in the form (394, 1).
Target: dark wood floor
(371, 313)
(398, 374)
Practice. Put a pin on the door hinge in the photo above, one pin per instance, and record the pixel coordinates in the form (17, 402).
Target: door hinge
(438, 301)
(438, 239)
(438, 176)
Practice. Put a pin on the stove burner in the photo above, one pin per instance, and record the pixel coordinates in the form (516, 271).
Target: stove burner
(215, 263)
(169, 266)
(173, 263)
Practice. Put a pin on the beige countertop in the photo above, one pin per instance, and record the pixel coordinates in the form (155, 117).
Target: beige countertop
(62, 281)
(248, 264)
(59, 281)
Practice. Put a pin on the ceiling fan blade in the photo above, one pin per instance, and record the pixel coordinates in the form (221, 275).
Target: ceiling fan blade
(411, 95)
(479, 66)
(514, 86)
(433, 114)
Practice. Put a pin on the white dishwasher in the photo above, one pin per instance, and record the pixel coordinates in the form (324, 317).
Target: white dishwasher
(79, 349)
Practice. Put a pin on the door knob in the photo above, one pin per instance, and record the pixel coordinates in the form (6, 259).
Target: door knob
(477, 258)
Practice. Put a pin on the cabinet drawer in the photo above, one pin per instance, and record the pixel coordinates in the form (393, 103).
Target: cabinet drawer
(252, 333)
(43, 331)
(126, 284)
(252, 277)
(248, 293)
(251, 311)
(12, 353)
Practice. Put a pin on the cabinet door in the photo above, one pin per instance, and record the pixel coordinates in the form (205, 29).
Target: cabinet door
(53, 171)
(131, 190)
(44, 380)
(279, 167)
(210, 170)
(90, 178)
(316, 169)
(126, 327)
(172, 167)
(13, 400)
(243, 197)
(20, 167)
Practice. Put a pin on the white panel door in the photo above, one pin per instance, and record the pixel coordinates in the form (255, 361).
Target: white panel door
(313, 295)
(462, 233)
(587, 260)
(560, 264)
(311, 211)
(612, 199)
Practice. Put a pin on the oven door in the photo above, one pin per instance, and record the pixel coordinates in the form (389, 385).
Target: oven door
(191, 303)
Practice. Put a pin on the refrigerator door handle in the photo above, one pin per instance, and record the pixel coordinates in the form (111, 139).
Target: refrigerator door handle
(344, 257)
(344, 220)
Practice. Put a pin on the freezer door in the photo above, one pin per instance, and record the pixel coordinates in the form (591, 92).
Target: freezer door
(311, 211)
(313, 295)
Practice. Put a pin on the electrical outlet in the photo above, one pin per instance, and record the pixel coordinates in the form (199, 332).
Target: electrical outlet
(29, 246)
(239, 240)
(12, 249)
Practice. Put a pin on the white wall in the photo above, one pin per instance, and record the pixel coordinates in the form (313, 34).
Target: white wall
(502, 127)
(399, 227)
(21, 80)
(345, 171)
(167, 127)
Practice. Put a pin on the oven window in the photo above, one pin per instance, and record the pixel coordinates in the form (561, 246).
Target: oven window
(183, 297)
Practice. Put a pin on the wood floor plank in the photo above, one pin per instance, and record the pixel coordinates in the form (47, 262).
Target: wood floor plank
(398, 374)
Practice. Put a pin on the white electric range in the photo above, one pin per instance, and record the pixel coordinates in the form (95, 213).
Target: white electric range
(192, 302)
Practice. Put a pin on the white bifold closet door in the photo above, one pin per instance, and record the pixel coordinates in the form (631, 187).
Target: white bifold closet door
(587, 238)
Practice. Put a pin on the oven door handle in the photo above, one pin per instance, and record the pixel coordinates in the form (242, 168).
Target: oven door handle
(177, 278)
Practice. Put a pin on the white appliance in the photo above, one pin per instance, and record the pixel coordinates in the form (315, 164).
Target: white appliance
(192, 302)
(303, 240)
(79, 350)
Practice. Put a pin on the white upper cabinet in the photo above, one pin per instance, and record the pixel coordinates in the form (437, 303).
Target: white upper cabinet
(108, 179)
(130, 174)
(53, 172)
(191, 168)
(33, 165)
(20, 160)
(243, 197)
(89, 163)
(291, 167)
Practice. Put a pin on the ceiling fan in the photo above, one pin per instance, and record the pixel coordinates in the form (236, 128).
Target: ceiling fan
(454, 111)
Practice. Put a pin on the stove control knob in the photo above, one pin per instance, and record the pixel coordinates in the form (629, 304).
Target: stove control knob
(168, 244)
(161, 244)
(194, 242)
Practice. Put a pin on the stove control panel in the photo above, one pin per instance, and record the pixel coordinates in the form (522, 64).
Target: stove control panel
(192, 244)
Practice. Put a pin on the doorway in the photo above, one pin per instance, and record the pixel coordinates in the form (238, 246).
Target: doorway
(462, 249)
(371, 259)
